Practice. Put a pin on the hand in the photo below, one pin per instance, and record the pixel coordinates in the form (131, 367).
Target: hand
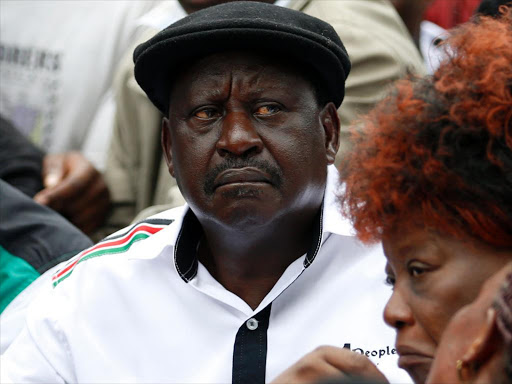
(74, 188)
(327, 362)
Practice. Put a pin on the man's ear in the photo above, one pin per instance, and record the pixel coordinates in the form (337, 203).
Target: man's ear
(485, 344)
(167, 144)
(331, 124)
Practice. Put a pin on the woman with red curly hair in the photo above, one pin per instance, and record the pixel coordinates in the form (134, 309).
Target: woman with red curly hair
(432, 179)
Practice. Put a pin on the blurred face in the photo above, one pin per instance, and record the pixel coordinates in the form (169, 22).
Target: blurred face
(247, 140)
(463, 330)
(432, 276)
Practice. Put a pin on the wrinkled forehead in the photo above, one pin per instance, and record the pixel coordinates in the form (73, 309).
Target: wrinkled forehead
(248, 67)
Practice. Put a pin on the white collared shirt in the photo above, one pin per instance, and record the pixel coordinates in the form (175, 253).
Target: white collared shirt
(140, 308)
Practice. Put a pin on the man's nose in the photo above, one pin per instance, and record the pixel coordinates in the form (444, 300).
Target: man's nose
(239, 137)
(397, 312)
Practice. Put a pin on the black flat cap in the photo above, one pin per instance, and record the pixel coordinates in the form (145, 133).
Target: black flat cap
(247, 25)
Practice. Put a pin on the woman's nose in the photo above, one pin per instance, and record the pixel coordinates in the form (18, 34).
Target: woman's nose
(397, 312)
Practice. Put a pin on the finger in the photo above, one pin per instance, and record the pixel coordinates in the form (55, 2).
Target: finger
(53, 169)
(41, 197)
(307, 370)
(59, 196)
(70, 188)
(57, 168)
(351, 363)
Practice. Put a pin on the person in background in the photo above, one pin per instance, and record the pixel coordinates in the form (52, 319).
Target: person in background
(33, 238)
(476, 346)
(449, 13)
(431, 34)
(492, 7)
(379, 46)
(21, 162)
(57, 60)
(426, 35)
(431, 179)
(412, 13)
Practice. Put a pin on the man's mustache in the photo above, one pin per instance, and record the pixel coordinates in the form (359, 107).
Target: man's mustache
(275, 174)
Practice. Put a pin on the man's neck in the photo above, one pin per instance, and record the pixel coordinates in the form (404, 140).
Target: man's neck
(250, 262)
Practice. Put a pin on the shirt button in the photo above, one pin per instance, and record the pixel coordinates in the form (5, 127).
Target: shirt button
(252, 324)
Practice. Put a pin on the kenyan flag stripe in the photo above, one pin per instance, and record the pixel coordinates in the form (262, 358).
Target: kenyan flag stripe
(107, 243)
(107, 247)
(101, 252)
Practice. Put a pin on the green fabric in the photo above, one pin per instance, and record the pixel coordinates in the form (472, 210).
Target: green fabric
(15, 275)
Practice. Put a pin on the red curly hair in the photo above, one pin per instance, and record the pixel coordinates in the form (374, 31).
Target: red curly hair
(438, 151)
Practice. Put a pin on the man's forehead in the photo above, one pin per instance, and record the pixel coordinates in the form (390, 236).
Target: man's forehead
(241, 66)
(241, 61)
(243, 25)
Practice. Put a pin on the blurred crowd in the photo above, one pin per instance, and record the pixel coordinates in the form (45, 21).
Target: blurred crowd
(424, 159)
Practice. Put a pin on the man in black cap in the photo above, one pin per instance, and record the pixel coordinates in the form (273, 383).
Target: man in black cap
(258, 268)
(381, 51)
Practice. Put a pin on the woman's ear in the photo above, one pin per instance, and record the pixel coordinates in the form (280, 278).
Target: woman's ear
(331, 124)
(167, 144)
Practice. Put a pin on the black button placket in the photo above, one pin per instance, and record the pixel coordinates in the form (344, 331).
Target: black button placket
(250, 353)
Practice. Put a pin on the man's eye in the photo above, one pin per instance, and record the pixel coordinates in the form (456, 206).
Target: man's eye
(207, 113)
(265, 110)
(390, 280)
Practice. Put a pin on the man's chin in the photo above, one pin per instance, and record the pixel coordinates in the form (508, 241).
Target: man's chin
(246, 208)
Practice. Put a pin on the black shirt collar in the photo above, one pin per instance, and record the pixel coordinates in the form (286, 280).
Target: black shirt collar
(185, 250)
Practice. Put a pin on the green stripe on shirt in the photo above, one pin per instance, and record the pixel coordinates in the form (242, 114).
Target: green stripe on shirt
(101, 252)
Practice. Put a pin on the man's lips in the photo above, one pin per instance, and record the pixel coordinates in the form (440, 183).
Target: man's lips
(410, 357)
(241, 175)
